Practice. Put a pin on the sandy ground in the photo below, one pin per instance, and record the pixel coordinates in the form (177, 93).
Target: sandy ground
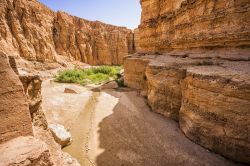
(116, 127)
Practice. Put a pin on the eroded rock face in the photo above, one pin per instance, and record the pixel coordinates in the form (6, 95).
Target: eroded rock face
(31, 30)
(25, 151)
(32, 88)
(14, 110)
(209, 98)
(173, 25)
(215, 109)
(199, 73)
(134, 72)
(164, 90)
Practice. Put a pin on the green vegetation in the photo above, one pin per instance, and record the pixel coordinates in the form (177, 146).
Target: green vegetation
(94, 75)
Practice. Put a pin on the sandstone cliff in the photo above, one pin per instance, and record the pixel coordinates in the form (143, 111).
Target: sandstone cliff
(209, 98)
(31, 30)
(12, 102)
(193, 65)
(191, 25)
(24, 139)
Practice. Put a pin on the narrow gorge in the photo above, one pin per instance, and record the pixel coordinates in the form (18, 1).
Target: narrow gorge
(174, 91)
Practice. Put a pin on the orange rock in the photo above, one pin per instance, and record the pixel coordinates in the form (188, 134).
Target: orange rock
(44, 35)
(25, 151)
(14, 110)
(172, 25)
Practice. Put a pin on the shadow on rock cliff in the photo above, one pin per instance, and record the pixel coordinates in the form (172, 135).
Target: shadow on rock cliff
(133, 135)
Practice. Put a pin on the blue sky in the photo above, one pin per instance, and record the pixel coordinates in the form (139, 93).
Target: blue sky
(117, 12)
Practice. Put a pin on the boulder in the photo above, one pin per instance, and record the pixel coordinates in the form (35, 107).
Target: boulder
(60, 134)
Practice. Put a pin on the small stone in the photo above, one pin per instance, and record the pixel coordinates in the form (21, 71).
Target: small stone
(69, 160)
(110, 85)
(67, 90)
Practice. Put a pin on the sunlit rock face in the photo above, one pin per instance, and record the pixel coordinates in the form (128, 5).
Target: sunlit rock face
(14, 110)
(31, 30)
(209, 98)
(173, 25)
(192, 63)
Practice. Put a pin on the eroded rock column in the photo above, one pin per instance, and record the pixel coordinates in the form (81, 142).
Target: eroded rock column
(14, 111)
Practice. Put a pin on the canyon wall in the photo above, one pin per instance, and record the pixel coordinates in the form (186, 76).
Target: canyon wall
(24, 138)
(12, 102)
(185, 25)
(193, 66)
(208, 97)
(31, 30)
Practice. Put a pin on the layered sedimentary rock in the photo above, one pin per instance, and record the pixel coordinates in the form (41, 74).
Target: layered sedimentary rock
(215, 108)
(137, 47)
(172, 25)
(201, 78)
(135, 72)
(14, 110)
(209, 98)
(31, 30)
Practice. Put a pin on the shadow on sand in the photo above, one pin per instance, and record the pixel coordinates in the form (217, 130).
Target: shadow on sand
(133, 135)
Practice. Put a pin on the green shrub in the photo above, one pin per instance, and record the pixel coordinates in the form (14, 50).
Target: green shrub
(93, 75)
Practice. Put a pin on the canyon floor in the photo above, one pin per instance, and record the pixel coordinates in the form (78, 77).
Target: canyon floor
(116, 127)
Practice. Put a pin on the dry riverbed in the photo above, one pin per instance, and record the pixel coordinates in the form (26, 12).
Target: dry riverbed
(116, 127)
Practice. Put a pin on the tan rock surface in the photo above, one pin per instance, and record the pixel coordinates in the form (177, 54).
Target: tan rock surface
(31, 30)
(172, 25)
(215, 109)
(14, 111)
(209, 97)
(202, 76)
(134, 72)
(32, 88)
(25, 151)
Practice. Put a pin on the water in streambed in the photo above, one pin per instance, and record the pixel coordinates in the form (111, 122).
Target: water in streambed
(77, 112)
(81, 131)
(116, 127)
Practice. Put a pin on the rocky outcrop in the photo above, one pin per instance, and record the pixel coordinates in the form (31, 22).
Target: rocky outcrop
(14, 111)
(17, 102)
(135, 72)
(215, 108)
(31, 30)
(25, 151)
(209, 98)
(32, 87)
(191, 25)
(199, 72)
